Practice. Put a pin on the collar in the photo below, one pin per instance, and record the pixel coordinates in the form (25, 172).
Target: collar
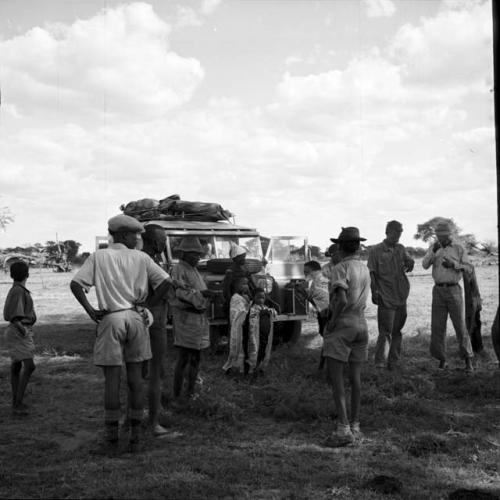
(388, 246)
(18, 283)
(118, 246)
(351, 257)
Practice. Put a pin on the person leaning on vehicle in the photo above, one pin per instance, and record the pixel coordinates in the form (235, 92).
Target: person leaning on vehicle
(121, 276)
(388, 263)
(448, 259)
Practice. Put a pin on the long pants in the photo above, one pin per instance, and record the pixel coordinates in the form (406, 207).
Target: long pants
(390, 324)
(448, 300)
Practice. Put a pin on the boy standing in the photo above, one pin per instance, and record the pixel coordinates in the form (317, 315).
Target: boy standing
(20, 313)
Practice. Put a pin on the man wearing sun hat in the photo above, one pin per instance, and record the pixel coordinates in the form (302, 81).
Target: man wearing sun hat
(189, 314)
(448, 260)
(345, 339)
(236, 270)
(388, 263)
(122, 276)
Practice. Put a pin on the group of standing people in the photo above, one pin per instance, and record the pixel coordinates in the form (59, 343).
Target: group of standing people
(133, 290)
(342, 321)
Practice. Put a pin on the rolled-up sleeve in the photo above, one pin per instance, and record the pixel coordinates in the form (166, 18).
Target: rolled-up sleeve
(428, 258)
(85, 277)
(339, 278)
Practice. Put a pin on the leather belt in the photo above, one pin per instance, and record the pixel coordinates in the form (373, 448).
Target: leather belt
(446, 284)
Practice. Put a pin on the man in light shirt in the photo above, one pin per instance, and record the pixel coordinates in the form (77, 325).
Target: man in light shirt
(121, 276)
(448, 260)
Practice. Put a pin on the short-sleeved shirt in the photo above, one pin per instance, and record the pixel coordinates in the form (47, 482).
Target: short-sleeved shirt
(388, 263)
(353, 276)
(19, 305)
(121, 276)
(454, 252)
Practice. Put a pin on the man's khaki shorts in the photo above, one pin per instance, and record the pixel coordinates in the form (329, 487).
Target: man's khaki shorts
(122, 336)
(348, 342)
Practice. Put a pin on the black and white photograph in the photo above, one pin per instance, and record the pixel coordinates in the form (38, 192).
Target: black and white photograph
(249, 249)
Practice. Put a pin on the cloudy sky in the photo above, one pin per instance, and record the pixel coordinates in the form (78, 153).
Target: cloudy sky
(298, 116)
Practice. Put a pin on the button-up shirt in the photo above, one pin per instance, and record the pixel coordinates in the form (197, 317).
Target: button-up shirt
(455, 253)
(388, 263)
(121, 276)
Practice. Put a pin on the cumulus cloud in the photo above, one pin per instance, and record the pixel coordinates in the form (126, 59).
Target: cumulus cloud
(117, 62)
(358, 144)
(379, 8)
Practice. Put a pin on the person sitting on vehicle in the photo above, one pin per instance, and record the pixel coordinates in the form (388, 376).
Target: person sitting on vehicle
(238, 311)
(189, 315)
(260, 332)
(236, 270)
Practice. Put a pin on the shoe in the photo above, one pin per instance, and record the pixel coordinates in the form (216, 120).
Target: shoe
(20, 410)
(158, 430)
(356, 430)
(443, 365)
(340, 437)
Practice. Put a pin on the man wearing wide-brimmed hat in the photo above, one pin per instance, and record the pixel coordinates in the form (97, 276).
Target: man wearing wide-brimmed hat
(388, 263)
(448, 260)
(346, 333)
(189, 314)
(122, 277)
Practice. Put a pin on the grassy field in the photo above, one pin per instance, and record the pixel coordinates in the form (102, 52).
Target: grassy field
(433, 432)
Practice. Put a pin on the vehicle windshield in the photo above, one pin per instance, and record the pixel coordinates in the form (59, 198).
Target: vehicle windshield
(287, 249)
(218, 247)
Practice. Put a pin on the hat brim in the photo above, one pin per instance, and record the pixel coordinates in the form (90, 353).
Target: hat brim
(336, 240)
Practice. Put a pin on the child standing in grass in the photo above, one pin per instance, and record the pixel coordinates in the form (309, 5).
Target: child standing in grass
(20, 313)
(238, 311)
(260, 332)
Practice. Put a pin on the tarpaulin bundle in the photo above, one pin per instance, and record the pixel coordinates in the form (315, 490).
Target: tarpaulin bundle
(172, 207)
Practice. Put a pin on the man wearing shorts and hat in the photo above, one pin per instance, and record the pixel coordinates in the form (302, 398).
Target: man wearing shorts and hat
(121, 276)
(448, 260)
(388, 263)
(189, 315)
(346, 334)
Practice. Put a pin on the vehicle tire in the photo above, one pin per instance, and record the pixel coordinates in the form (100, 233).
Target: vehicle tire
(289, 331)
(219, 336)
(253, 265)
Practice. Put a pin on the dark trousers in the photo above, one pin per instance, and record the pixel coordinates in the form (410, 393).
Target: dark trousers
(390, 324)
(187, 361)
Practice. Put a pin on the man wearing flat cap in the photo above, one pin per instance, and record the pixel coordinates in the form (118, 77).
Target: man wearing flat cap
(122, 277)
(345, 340)
(189, 315)
(388, 263)
(448, 260)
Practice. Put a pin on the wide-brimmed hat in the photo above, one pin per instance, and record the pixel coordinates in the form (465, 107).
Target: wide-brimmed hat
(190, 244)
(348, 234)
(443, 228)
(236, 250)
(124, 223)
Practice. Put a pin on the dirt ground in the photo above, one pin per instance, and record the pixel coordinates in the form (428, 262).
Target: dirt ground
(432, 432)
